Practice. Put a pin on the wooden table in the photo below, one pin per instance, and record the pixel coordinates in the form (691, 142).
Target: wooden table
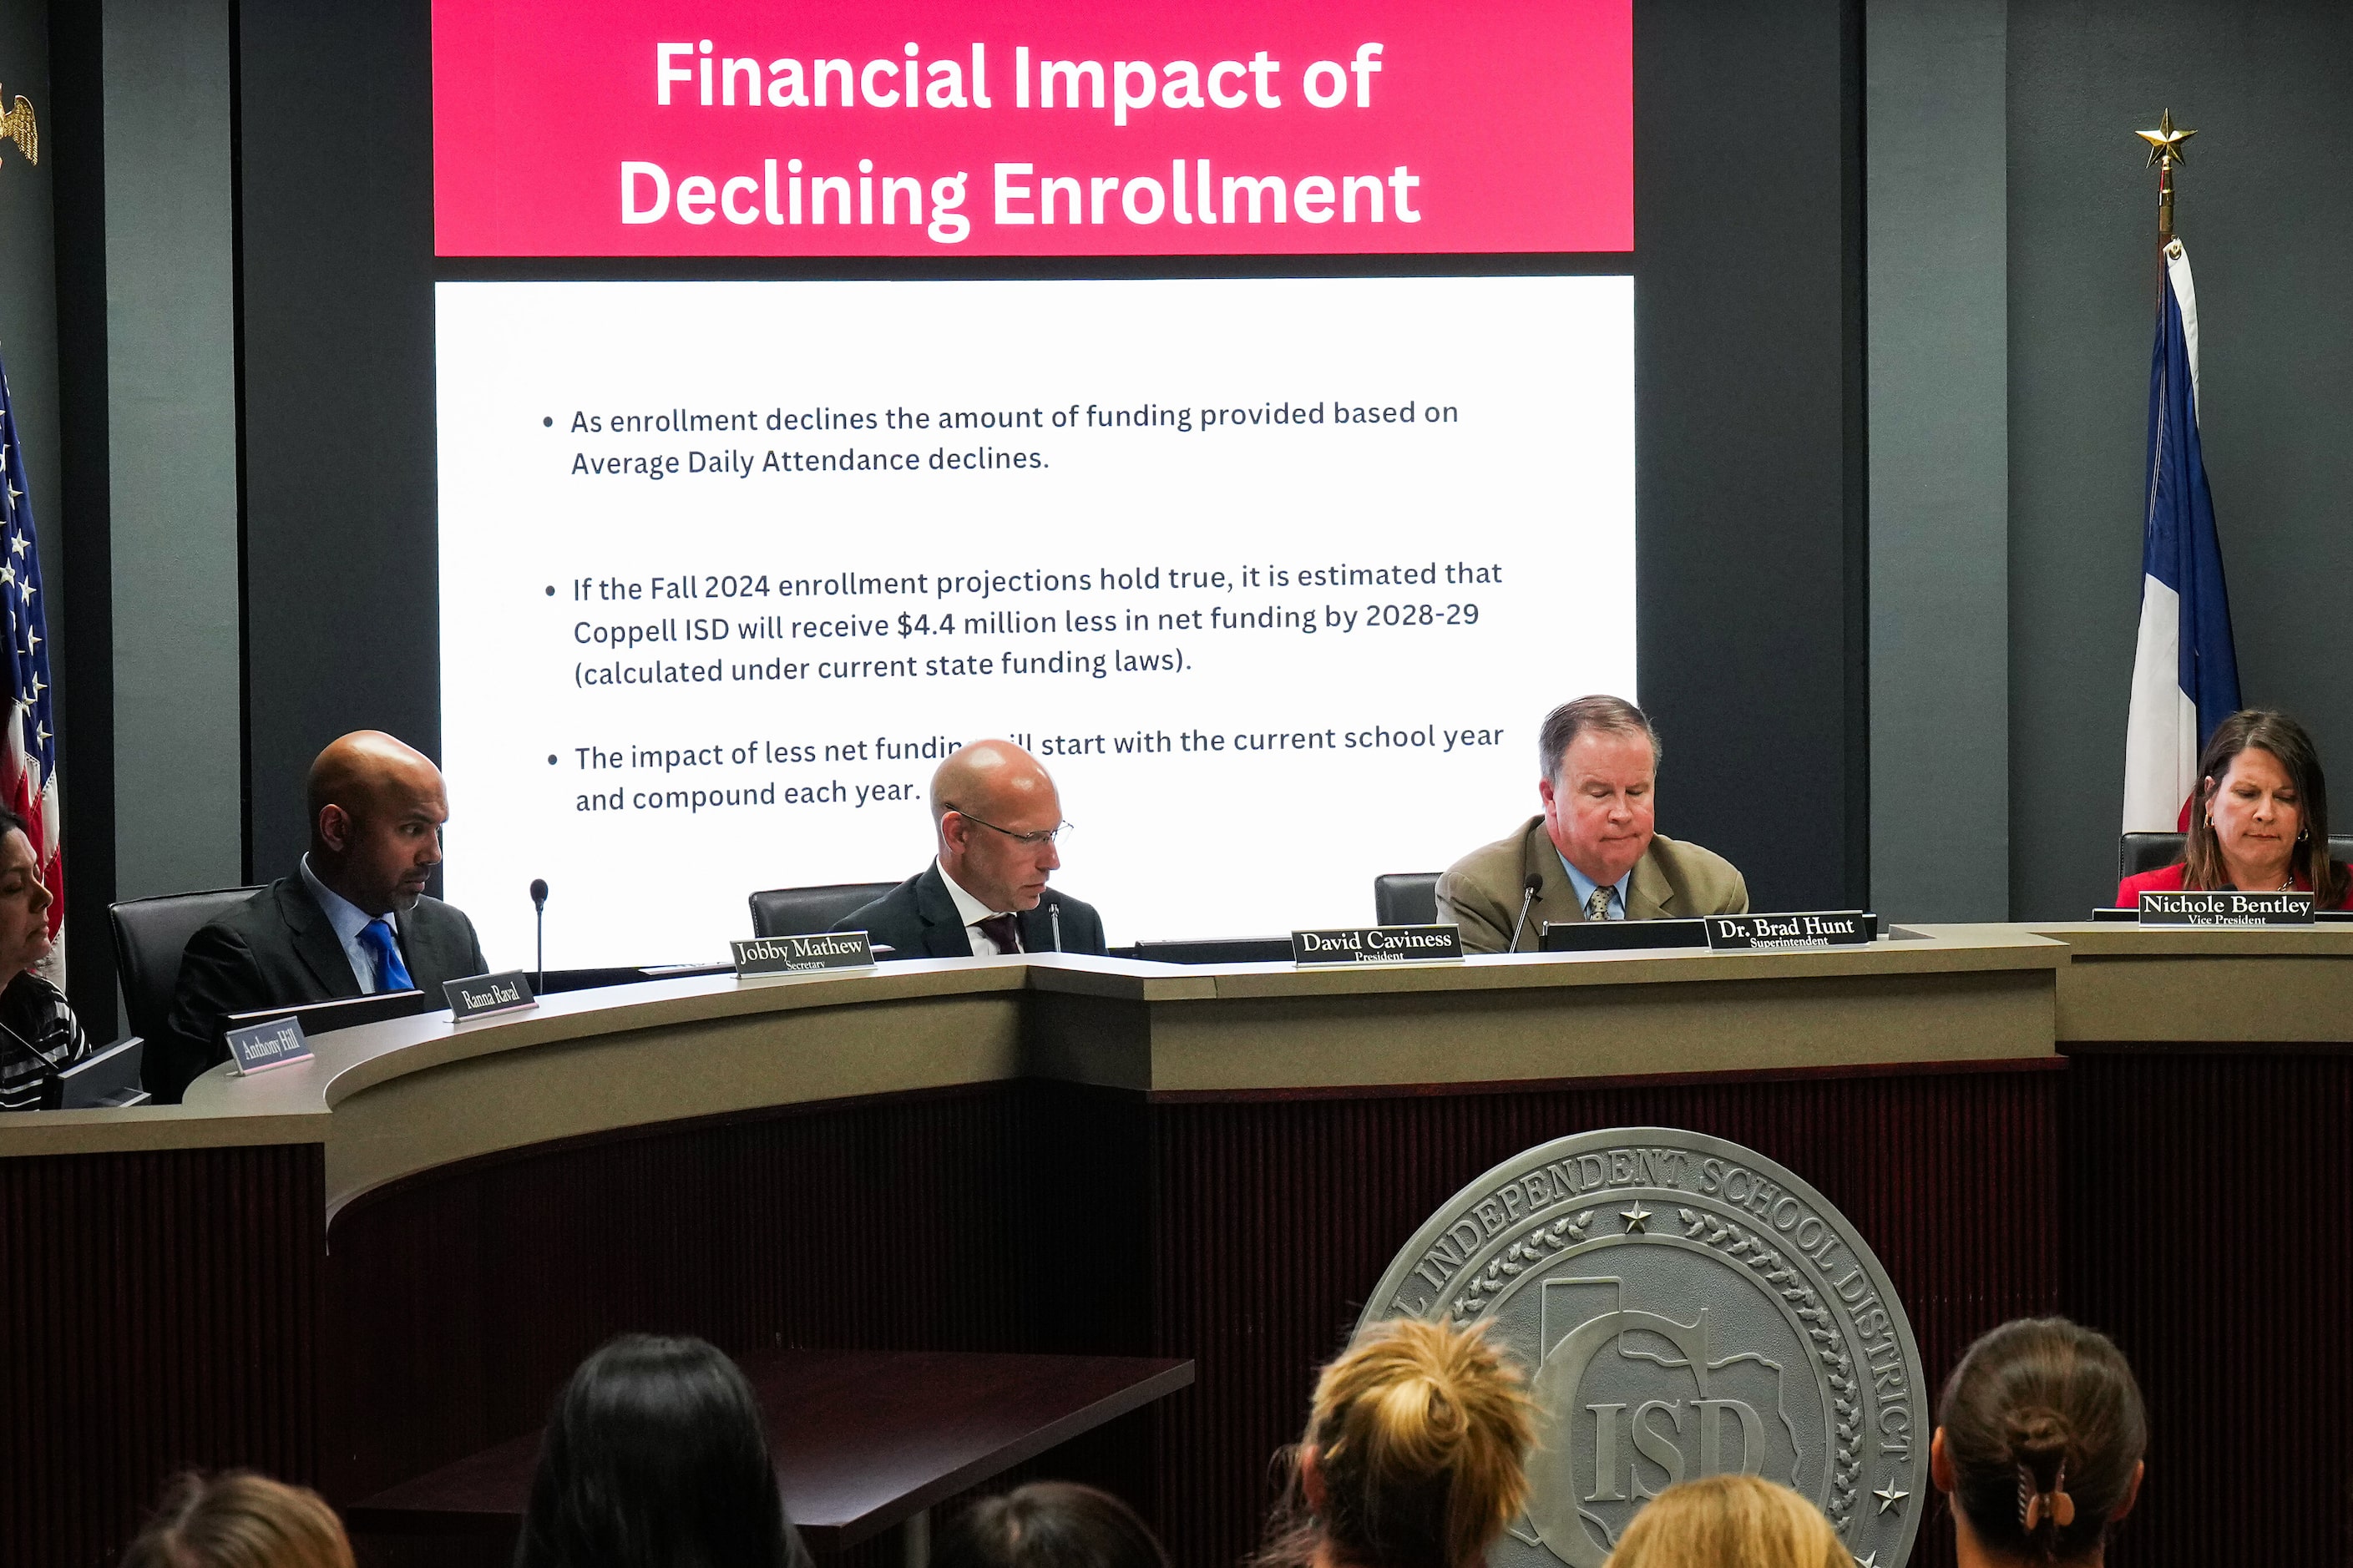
(864, 1439)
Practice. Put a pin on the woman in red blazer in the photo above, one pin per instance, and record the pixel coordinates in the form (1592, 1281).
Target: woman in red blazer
(2260, 821)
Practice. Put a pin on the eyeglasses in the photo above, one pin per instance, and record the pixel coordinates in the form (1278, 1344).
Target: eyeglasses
(1028, 841)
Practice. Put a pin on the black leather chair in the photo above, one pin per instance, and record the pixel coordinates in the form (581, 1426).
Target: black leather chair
(2138, 852)
(802, 911)
(1406, 899)
(149, 934)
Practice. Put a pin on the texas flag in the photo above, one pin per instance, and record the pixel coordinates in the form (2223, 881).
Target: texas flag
(2185, 675)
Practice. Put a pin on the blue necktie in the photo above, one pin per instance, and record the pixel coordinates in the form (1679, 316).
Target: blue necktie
(390, 973)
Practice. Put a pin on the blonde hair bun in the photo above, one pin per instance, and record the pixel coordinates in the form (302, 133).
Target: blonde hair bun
(1419, 1434)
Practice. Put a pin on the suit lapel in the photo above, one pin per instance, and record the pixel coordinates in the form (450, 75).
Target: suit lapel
(1650, 895)
(429, 965)
(944, 935)
(315, 942)
(415, 947)
(1555, 899)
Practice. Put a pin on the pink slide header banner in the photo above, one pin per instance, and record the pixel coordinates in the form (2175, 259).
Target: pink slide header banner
(621, 128)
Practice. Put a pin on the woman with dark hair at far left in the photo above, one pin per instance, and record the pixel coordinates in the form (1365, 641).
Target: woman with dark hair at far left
(655, 1458)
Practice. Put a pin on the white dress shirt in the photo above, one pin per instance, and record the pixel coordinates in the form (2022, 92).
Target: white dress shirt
(349, 920)
(974, 912)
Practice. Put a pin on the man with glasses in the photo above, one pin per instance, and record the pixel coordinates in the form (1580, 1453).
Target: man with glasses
(998, 819)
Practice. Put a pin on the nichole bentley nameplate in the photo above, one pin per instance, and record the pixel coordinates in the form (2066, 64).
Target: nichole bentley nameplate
(1684, 1306)
(259, 1047)
(2226, 909)
(803, 954)
(483, 994)
(1790, 933)
(1376, 944)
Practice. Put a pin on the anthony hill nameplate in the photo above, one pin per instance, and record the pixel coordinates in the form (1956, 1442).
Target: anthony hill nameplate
(800, 954)
(1686, 1308)
(1790, 933)
(482, 994)
(2283, 908)
(272, 1045)
(1376, 944)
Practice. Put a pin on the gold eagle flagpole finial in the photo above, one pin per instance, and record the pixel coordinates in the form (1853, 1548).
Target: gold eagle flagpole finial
(2165, 151)
(17, 126)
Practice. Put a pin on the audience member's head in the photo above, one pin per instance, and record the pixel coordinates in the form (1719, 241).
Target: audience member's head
(1049, 1524)
(1415, 1453)
(1729, 1521)
(240, 1519)
(654, 1454)
(2039, 1440)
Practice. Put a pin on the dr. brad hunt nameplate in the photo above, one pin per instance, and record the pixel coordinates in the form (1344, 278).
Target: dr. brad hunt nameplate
(1686, 1308)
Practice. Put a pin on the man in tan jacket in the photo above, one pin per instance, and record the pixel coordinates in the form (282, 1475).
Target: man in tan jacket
(1595, 853)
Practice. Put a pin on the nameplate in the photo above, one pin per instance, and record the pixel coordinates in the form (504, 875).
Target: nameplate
(1376, 944)
(804, 954)
(257, 1047)
(487, 993)
(1790, 933)
(2285, 908)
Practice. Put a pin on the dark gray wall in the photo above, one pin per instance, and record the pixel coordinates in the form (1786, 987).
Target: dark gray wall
(342, 544)
(1748, 435)
(1939, 355)
(172, 440)
(2265, 210)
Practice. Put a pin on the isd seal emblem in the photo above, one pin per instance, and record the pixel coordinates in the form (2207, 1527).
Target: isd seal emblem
(1686, 1308)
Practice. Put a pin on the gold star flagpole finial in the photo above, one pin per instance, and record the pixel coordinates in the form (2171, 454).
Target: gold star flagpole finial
(2165, 149)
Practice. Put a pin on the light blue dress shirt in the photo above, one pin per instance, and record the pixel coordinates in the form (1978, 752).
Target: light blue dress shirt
(349, 920)
(1585, 886)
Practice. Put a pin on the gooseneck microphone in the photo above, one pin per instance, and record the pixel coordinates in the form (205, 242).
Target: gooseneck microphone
(1054, 918)
(1534, 883)
(539, 917)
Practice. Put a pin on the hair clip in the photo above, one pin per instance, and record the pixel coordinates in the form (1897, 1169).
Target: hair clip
(2034, 1507)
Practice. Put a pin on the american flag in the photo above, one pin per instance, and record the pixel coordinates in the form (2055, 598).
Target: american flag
(30, 776)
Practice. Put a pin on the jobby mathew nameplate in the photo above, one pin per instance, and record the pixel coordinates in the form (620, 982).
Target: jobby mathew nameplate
(802, 954)
(1684, 1306)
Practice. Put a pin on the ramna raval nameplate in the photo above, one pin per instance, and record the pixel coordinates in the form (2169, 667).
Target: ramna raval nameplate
(1686, 1307)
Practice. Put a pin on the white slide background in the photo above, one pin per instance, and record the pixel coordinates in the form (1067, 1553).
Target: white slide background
(1532, 478)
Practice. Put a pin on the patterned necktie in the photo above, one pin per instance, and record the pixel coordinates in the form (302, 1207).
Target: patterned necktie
(391, 974)
(1596, 907)
(1002, 931)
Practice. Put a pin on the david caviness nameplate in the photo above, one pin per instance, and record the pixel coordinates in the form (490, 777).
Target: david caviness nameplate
(1686, 1307)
